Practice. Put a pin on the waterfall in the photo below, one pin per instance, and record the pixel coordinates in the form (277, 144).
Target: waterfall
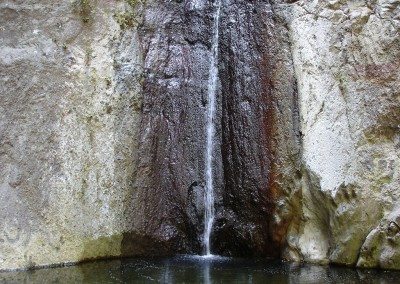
(212, 88)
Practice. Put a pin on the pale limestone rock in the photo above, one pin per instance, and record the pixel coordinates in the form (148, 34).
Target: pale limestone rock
(381, 247)
(68, 122)
(346, 56)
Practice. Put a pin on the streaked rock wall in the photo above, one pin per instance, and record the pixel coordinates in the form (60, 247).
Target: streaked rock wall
(69, 98)
(257, 136)
(102, 107)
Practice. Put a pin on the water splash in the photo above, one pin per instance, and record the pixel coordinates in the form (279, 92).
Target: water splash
(212, 88)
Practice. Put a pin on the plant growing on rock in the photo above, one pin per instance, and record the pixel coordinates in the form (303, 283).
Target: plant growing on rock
(129, 18)
(84, 8)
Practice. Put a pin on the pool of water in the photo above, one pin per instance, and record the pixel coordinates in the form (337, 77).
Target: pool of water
(192, 269)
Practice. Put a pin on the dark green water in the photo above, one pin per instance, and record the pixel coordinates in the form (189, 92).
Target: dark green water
(188, 269)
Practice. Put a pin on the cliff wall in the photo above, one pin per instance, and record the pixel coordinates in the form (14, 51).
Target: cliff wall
(102, 130)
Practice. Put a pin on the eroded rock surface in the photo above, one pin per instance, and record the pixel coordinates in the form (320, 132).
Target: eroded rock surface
(167, 204)
(68, 124)
(260, 143)
(256, 141)
(346, 55)
(102, 130)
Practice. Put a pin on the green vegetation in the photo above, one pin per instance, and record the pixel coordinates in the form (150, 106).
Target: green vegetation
(84, 8)
(102, 246)
(125, 20)
(129, 18)
(133, 3)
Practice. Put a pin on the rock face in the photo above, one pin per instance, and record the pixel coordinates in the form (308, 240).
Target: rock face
(68, 130)
(346, 56)
(259, 132)
(102, 130)
(167, 204)
(255, 126)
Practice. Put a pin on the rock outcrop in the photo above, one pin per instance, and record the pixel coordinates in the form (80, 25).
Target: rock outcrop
(102, 130)
(256, 141)
(167, 202)
(260, 143)
(69, 106)
(347, 57)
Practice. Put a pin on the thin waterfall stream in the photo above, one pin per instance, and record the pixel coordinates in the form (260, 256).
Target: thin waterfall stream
(211, 108)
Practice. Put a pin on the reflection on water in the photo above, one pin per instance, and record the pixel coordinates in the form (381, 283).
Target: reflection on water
(189, 269)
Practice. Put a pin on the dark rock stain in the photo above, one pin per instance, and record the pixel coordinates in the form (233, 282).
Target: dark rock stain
(168, 209)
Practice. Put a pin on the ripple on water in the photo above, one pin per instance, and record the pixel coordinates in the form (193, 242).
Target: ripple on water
(199, 269)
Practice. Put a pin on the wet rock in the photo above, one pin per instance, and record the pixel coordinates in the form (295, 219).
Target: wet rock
(256, 93)
(175, 38)
(102, 130)
(258, 109)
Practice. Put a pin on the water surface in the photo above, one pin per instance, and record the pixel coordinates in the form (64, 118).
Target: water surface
(189, 269)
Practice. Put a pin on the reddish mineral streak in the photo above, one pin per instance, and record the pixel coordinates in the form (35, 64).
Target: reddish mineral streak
(168, 213)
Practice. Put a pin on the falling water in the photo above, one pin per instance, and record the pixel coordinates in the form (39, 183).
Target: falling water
(212, 88)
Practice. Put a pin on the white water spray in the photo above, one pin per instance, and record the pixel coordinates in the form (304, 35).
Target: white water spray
(212, 88)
